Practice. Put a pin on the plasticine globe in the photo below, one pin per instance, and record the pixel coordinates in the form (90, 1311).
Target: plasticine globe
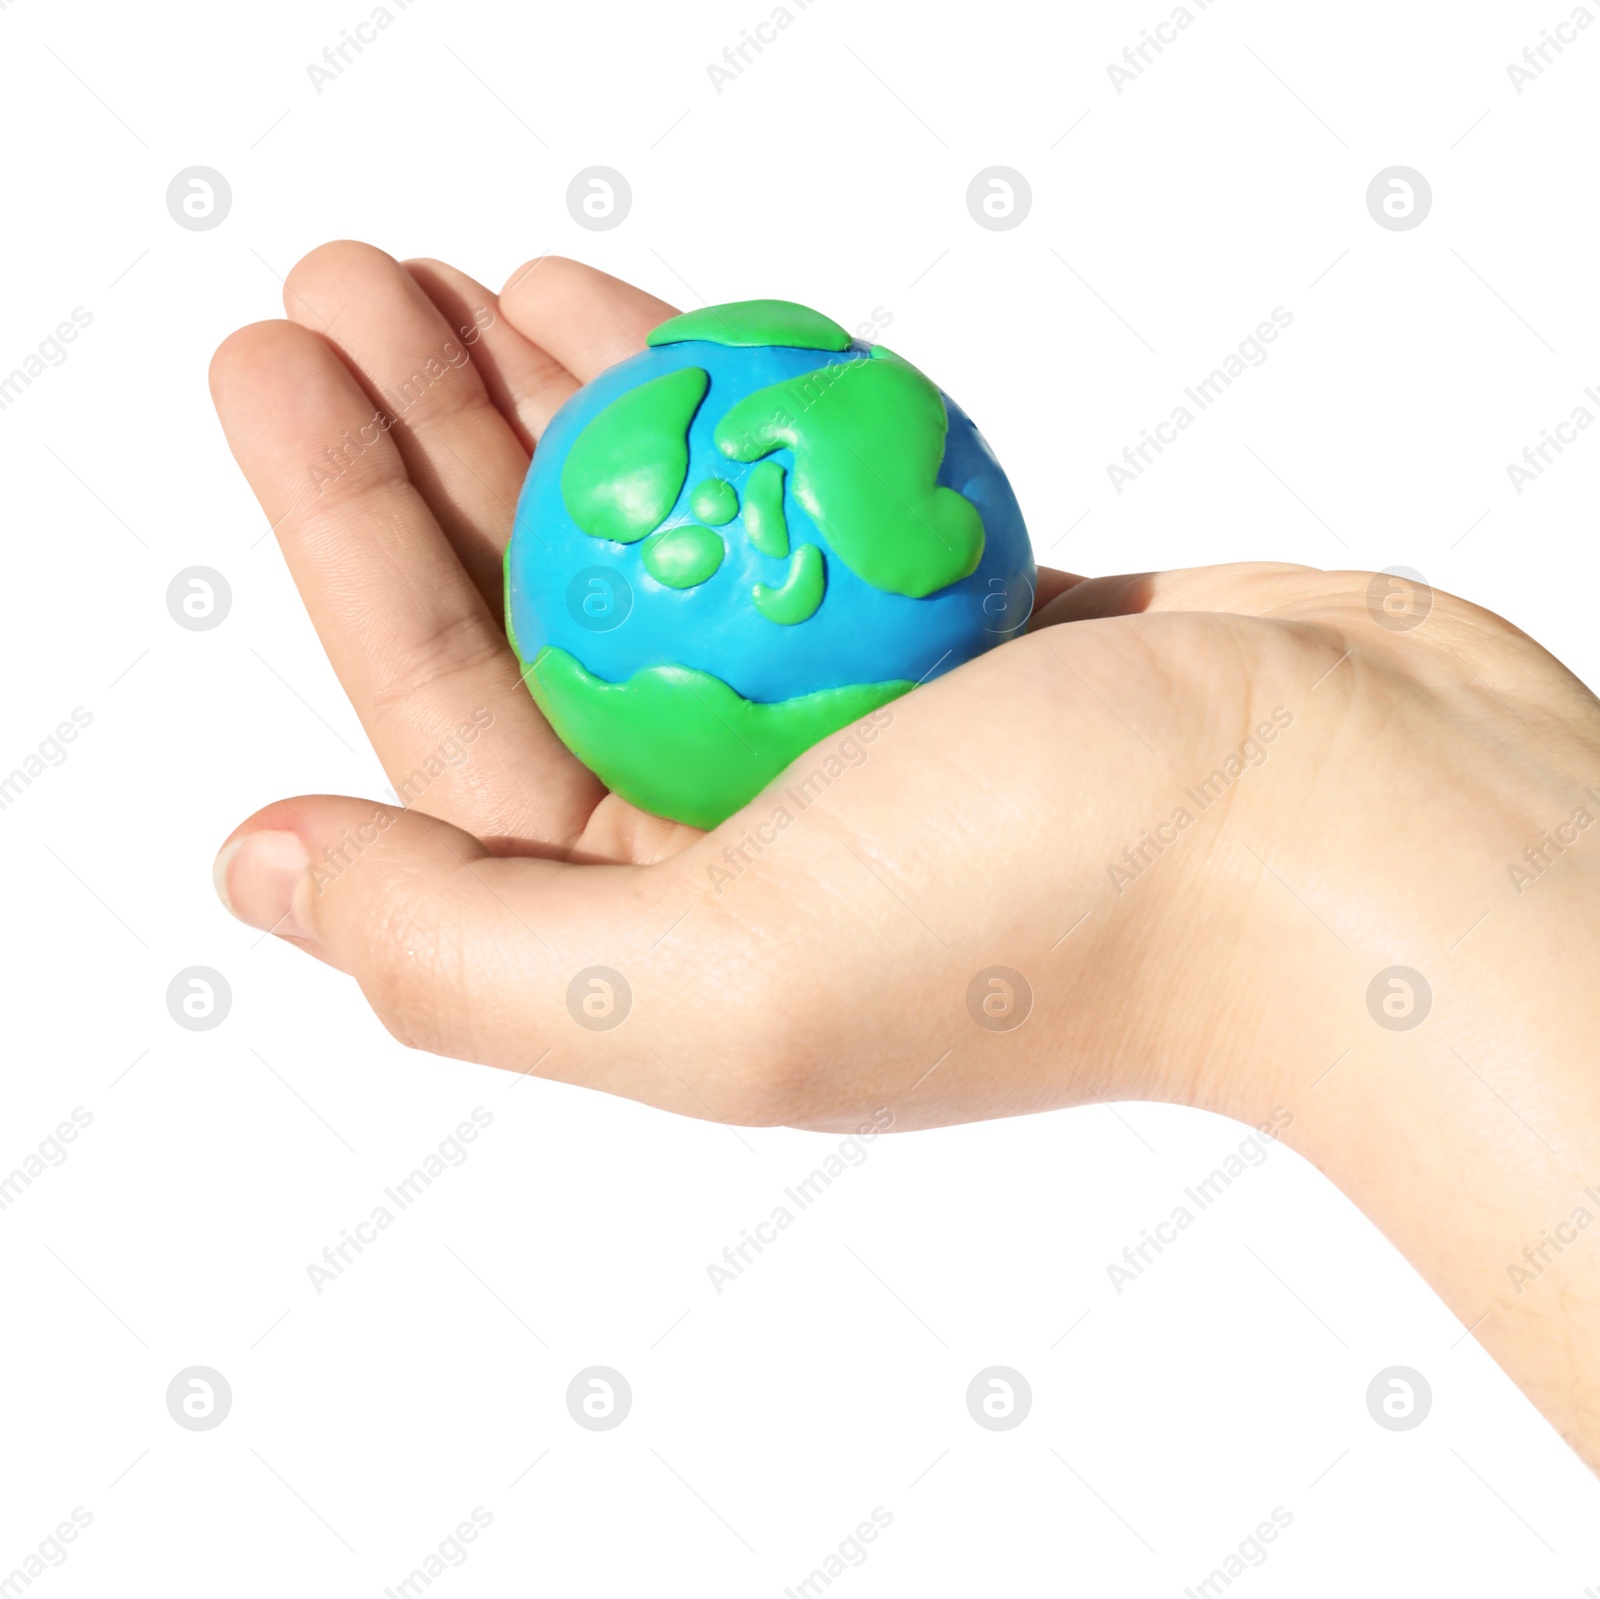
(741, 540)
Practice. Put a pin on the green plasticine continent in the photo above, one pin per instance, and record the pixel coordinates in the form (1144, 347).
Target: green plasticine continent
(797, 600)
(747, 324)
(625, 470)
(764, 520)
(681, 557)
(681, 743)
(505, 601)
(867, 450)
(714, 502)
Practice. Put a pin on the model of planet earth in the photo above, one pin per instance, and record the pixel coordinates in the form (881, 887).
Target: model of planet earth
(752, 534)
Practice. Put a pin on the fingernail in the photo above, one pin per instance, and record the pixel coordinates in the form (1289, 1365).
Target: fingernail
(257, 877)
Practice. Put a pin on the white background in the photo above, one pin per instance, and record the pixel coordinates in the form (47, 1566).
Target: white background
(1229, 179)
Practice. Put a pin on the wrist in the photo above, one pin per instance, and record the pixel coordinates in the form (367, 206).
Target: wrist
(1471, 1137)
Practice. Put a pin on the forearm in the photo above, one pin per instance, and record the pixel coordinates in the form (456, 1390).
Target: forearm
(1473, 1139)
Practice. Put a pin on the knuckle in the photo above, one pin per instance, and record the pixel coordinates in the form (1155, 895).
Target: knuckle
(757, 1016)
(438, 391)
(768, 1055)
(458, 647)
(413, 962)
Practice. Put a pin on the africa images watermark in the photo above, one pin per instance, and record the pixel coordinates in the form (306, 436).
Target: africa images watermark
(851, 1152)
(1537, 57)
(452, 751)
(451, 1551)
(809, 389)
(1251, 351)
(799, 795)
(51, 1151)
(1138, 1257)
(1251, 1551)
(50, 751)
(1154, 842)
(337, 858)
(452, 356)
(1536, 458)
(1554, 1242)
(1152, 43)
(449, 1152)
(852, 1551)
(51, 1551)
(336, 58)
(50, 351)
(1537, 859)
(736, 58)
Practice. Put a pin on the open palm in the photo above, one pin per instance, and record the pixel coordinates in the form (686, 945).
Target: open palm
(1163, 799)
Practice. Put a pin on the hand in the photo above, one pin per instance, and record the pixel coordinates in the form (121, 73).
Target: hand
(392, 486)
(1199, 822)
